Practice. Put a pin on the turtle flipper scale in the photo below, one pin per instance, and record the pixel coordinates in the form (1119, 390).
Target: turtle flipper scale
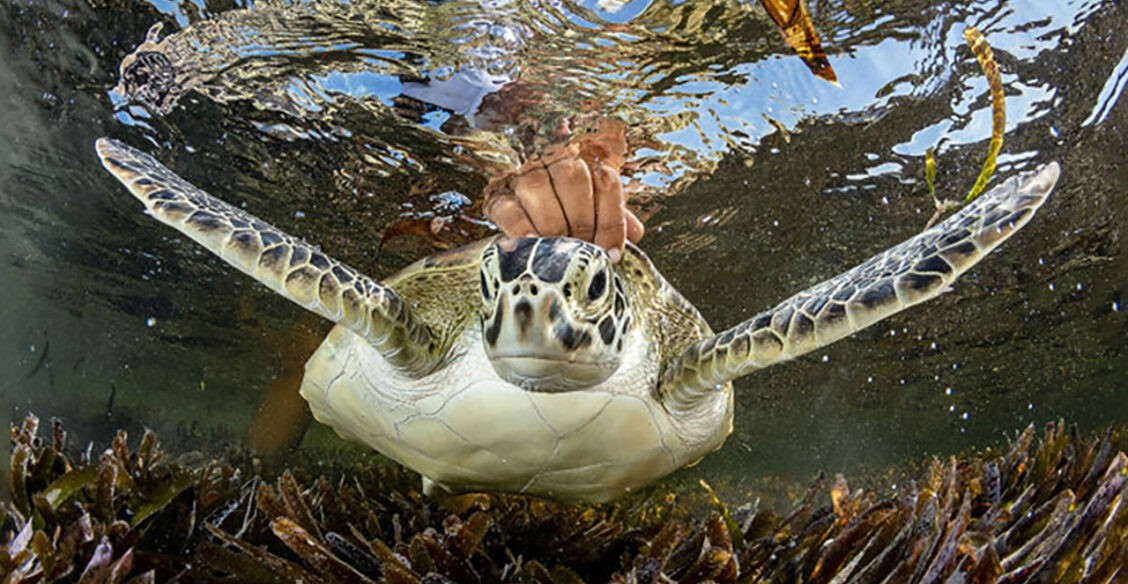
(919, 269)
(281, 262)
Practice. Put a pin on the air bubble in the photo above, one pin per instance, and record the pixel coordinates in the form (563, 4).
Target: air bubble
(151, 321)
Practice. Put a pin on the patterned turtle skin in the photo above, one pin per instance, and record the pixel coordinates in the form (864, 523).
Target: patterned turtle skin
(535, 365)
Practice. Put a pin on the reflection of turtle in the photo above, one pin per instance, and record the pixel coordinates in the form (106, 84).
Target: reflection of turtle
(536, 366)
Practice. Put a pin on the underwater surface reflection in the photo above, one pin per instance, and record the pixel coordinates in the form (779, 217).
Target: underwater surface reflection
(757, 179)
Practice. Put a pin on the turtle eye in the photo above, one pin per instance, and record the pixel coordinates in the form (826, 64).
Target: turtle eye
(597, 286)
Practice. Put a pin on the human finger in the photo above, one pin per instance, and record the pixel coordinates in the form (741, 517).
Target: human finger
(534, 190)
(610, 220)
(635, 228)
(571, 181)
(507, 213)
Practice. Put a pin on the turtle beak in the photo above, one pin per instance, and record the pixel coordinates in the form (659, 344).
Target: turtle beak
(532, 342)
(534, 324)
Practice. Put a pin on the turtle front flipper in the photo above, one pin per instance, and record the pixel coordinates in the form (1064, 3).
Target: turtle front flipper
(917, 270)
(281, 262)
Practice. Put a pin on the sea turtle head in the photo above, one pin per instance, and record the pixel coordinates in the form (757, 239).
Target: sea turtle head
(554, 315)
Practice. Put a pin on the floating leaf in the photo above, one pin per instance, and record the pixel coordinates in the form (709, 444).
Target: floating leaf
(986, 57)
(795, 25)
(930, 173)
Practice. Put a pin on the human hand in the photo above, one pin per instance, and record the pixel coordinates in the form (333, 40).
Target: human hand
(571, 191)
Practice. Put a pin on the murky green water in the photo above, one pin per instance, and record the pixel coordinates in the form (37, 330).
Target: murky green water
(298, 113)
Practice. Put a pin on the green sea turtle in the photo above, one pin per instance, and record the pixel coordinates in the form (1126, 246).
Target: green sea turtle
(535, 365)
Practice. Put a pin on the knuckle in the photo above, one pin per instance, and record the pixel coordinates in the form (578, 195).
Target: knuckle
(554, 225)
(610, 227)
(501, 206)
(600, 175)
(568, 167)
(604, 172)
(607, 184)
(534, 179)
(583, 228)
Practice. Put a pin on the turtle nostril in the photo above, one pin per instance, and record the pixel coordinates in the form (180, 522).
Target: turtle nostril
(533, 290)
(523, 312)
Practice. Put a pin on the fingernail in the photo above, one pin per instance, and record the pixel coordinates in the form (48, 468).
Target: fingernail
(615, 255)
